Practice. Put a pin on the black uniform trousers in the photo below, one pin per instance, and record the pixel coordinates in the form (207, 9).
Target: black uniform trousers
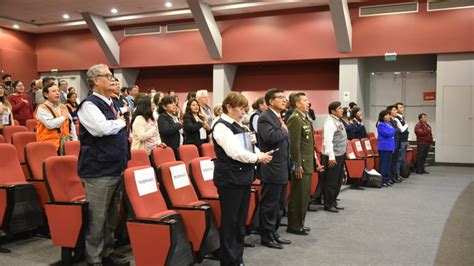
(234, 201)
(332, 180)
(421, 155)
(272, 206)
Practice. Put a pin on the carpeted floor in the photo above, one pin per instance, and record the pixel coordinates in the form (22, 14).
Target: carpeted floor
(400, 225)
(457, 242)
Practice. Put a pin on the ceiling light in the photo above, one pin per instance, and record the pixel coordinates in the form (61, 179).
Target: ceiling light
(16, 26)
(168, 4)
(65, 16)
(114, 10)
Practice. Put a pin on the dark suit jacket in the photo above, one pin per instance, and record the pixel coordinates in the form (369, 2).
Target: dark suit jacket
(270, 137)
(191, 131)
(169, 130)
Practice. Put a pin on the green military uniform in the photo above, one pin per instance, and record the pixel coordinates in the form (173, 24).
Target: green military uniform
(302, 154)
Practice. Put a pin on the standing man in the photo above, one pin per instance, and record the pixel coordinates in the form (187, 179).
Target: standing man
(103, 157)
(333, 154)
(63, 90)
(403, 129)
(302, 164)
(132, 92)
(424, 139)
(203, 99)
(274, 137)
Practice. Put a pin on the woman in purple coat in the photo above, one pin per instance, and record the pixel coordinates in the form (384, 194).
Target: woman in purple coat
(386, 145)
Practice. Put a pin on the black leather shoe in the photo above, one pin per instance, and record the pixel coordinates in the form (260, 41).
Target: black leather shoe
(282, 241)
(395, 180)
(307, 229)
(300, 231)
(116, 259)
(331, 209)
(338, 207)
(271, 244)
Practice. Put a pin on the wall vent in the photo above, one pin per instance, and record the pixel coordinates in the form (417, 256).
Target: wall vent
(181, 27)
(142, 30)
(451, 4)
(391, 9)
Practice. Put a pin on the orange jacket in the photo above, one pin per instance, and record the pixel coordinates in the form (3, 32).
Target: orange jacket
(53, 135)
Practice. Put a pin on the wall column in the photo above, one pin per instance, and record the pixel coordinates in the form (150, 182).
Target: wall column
(223, 80)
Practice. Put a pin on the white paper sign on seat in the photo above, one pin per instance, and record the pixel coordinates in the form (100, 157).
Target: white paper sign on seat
(367, 145)
(145, 181)
(358, 146)
(352, 155)
(179, 176)
(207, 169)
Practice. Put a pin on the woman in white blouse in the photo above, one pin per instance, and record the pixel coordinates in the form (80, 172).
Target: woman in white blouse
(145, 135)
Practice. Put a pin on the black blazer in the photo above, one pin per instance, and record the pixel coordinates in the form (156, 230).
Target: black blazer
(270, 137)
(169, 130)
(191, 130)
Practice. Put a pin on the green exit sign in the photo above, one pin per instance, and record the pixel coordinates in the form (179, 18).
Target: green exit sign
(390, 57)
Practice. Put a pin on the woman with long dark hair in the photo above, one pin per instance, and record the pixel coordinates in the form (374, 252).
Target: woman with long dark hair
(386, 145)
(145, 135)
(196, 130)
(356, 129)
(71, 104)
(21, 103)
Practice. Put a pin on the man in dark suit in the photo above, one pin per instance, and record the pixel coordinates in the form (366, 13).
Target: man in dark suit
(273, 136)
(169, 126)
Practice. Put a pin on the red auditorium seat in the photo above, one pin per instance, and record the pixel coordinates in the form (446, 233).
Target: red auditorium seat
(318, 131)
(188, 152)
(157, 235)
(370, 134)
(315, 178)
(8, 132)
(318, 144)
(31, 125)
(67, 211)
(76, 126)
(72, 148)
(19, 140)
(2, 139)
(35, 154)
(197, 215)
(359, 152)
(20, 210)
(207, 150)
(355, 166)
(369, 151)
(373, 143)
(139, 158)
(207, 192)
(162, 155)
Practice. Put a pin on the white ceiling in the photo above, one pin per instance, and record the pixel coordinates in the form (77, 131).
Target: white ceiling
(40, 16)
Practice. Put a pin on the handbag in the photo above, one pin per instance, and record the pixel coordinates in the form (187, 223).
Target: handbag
(373, 180)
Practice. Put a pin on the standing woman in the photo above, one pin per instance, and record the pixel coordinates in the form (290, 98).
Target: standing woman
(196, 130)
(169, 126)
(396, 178)
(6, 114)
(21, 103)
(71, 104)
(233, 175)
(145, 134)
(386, 145)
(356, 129)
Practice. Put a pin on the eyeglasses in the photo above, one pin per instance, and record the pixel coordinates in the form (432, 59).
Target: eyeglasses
(281, 97)
(107, 76)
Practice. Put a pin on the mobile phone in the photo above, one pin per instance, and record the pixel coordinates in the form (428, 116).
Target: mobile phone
(272, 151)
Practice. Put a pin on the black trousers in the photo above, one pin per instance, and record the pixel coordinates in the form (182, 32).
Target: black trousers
(393, 168)
(332, 180)
(234, 201)
(421, 154)
(272, 206)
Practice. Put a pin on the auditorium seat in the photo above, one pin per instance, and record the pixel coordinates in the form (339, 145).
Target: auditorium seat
(157, 235)
(67, 211)
(198, 217)
(20, 210)
(355, 166)
(318, 144)
(188, 152)
(77, 127)
(370, 134)
(2, 139)
(8, 132)
(35, 154)
(369, 151)
(318, 131)
(207, 150)
(162, 155)
(373, 143)
(31, 125)
(139, 158)
(19, 140)
(315, 178)
(72, 147)
(359, 152)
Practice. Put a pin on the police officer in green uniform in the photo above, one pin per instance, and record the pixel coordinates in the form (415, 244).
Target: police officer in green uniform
(302, 164)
